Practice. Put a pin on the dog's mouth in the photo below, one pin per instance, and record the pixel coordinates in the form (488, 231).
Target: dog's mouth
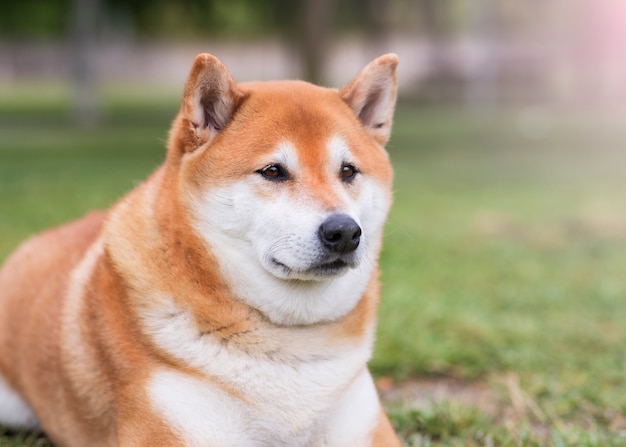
(316, 271)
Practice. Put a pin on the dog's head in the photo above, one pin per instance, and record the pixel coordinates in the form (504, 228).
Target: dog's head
(287, 183)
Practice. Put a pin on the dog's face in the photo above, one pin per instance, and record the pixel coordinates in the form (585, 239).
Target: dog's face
(300, 186)
(289, 184)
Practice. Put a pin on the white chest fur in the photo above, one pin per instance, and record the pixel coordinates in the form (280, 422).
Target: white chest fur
(203, 415)
(299, 389)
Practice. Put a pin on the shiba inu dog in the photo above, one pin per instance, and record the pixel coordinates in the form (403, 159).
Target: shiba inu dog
(228, 300)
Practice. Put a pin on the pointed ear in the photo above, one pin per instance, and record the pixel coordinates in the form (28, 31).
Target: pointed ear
(210, 100)
(372, 96)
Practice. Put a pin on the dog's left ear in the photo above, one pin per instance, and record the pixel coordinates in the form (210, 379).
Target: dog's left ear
(372, 96)
(210, 100)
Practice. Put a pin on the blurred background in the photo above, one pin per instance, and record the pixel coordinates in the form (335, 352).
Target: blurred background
(503, 314)
(480, 53)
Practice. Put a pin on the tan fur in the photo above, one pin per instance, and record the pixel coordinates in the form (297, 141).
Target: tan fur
(73, 341)
(383, 435)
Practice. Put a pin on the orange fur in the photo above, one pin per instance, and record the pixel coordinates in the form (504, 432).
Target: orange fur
(74, 341)
(383, 435)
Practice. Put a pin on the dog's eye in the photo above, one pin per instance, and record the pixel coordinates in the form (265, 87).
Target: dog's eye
(273, 172)
(348, 172)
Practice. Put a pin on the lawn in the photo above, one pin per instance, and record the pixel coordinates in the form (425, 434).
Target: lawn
(503, 268)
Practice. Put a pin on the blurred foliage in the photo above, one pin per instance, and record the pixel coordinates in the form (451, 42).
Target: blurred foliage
(34, 18)
(204, 17)
(184, 18)
(250, 18)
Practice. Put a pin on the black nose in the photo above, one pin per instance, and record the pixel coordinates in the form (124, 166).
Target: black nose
(340, 234)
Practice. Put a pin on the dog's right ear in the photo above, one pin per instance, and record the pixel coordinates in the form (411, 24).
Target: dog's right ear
(210, 101)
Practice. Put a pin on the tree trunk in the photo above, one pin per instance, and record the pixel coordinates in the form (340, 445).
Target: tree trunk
(85, 14)
(317, 25)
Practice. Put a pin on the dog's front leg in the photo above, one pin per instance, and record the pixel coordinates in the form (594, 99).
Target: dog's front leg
(384, 435)
(145, 430)
(151, 438)
(358, 418)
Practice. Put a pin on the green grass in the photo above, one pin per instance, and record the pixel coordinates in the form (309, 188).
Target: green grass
(507, 255)
(503, 264)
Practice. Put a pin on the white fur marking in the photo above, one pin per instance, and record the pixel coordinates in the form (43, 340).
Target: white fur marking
(285, 155)
(339, 153)
(200, 414)
(14, 412)
(354, 417)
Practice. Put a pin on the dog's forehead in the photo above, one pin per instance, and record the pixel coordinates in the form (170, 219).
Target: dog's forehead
(307, 116)
(296, 104)
(272, 90)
